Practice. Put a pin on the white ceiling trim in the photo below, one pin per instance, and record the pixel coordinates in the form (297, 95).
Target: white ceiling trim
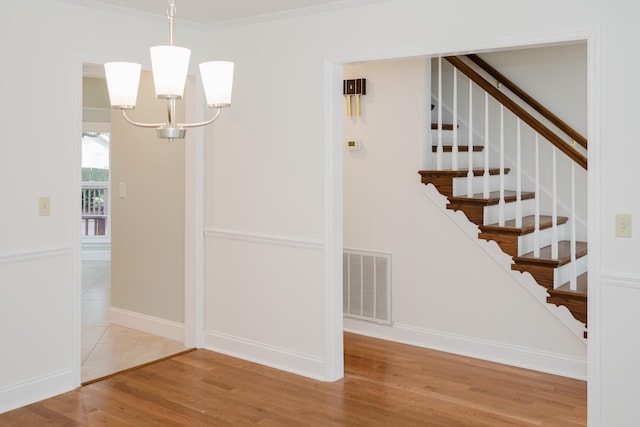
(292, 13)
(248, 19)
(91, 4)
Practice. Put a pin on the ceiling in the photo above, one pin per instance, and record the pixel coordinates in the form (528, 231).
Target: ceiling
(212, 12)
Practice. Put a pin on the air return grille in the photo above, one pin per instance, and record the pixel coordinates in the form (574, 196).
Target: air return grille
(367, 285)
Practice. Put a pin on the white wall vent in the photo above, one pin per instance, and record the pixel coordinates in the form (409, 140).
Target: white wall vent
(366, 290)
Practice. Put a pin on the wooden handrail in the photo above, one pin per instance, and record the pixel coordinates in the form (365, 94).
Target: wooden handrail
(564, 127)
(516, 109)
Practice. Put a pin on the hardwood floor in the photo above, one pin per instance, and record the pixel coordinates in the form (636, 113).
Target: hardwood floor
(385, 384)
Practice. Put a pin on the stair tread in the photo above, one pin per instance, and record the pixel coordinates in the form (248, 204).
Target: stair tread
(445, 126)
(448, 148)
(565, 290)
(564, 255)
(494, 197)
(528, 225)
(460, 173)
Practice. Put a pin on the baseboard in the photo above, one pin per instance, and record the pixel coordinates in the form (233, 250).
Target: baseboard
(511, 355)
(283, 359)
(17, 395)
(149, 324)
(96, 251)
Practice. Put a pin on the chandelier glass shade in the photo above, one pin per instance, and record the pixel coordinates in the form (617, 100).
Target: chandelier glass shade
(170, 66)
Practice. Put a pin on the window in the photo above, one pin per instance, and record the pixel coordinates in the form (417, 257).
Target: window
(95, 184)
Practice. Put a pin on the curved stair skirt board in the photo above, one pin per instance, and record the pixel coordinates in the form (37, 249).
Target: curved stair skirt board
(505, 261)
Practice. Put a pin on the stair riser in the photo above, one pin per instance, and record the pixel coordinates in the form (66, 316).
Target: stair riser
(460, 184)
(492, 213)
(526, 243)
(447, 136)
(463, 160)
(564, 273)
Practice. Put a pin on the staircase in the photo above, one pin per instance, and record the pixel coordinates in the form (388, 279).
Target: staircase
(510, 217)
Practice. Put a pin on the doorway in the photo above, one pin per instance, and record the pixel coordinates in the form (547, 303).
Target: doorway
(365, 180)
(107, 346)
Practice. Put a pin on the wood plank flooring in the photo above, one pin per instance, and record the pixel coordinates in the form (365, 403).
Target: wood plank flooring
(385, 384)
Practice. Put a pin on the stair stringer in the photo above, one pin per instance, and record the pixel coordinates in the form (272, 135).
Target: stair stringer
(539, 293)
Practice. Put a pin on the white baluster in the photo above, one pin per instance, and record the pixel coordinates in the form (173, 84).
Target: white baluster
(518, 177)
(485, 178)
(536, 234)
(573, 284)
(470, 157)
(439, 149)
(454, 148)
(501, 203)
(554, 207)
(470, 174)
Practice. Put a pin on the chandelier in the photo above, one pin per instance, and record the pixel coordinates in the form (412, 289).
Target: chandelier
(169, 65)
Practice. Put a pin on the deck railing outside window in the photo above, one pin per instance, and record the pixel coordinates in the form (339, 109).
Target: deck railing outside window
(95, 209)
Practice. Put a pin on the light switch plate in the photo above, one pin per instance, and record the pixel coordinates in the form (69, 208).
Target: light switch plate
(623, 225)
(122, 190)
(44, 206)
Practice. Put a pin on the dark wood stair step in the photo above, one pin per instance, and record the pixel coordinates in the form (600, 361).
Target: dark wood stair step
(445, 126)
(528, 224)
(575, 301)
(507, 236)
(542, 268)
(443, 180)
(461, 148)
(474, 206)
(564, 255)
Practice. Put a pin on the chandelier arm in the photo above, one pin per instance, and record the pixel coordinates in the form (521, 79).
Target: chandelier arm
(142, 125)
(208, 122)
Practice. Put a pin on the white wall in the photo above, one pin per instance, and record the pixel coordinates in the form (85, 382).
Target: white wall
(39, 256)
(147, 262)
(281, 122)
(448, 293)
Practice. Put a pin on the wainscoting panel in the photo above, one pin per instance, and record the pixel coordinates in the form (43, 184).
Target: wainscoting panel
(261, 302)
(40, 326)
(619, 348)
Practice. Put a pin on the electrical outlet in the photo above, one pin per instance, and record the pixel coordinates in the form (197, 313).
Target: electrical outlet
(623, 225)
(44, 206)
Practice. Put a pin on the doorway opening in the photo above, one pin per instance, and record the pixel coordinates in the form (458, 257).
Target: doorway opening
(108, 345)
(384, 209)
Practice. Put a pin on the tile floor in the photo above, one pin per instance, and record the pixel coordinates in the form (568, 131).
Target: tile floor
(109, 348)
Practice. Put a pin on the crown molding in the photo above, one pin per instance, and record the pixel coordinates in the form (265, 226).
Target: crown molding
(286, 14)
(292, 13)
